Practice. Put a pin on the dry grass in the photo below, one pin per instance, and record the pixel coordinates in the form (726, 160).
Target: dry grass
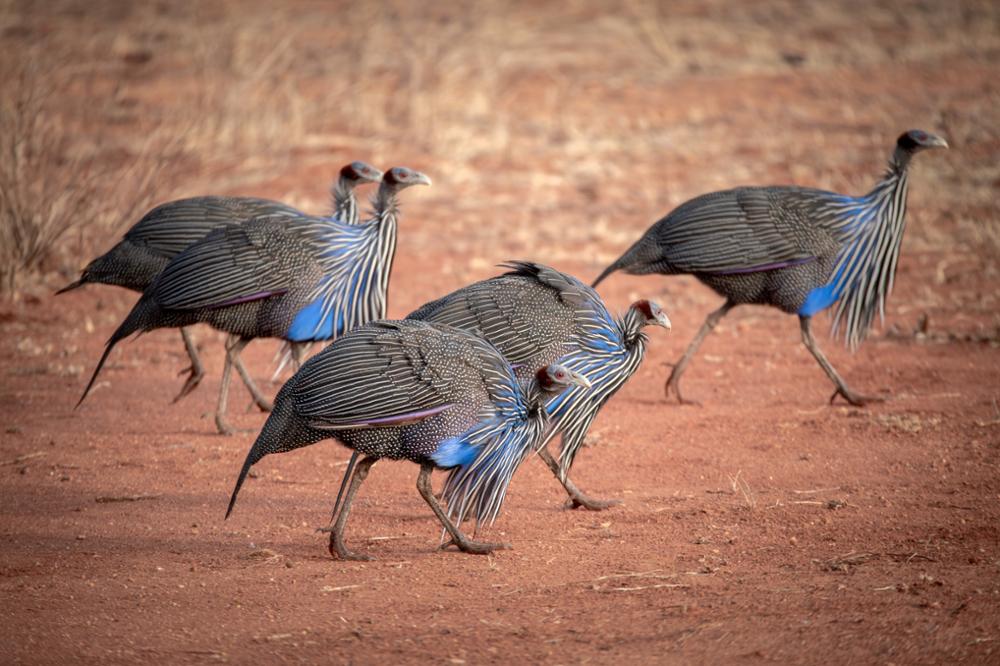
(53, 185)
(742, 488)
(526, 109)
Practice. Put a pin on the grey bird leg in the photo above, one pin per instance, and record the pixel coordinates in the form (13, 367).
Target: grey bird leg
(577, 497)
(298, 350)
(842, 389)
(464, 543)
(337, 547)
(343, 483)
(195, 371)
(233, 346)
(674, 380)
(262, 403)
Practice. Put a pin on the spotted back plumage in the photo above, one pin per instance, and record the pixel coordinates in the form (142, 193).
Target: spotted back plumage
(535, 315)
(424, 392)
(297, 278)
(797, 248)
(169, 228)
(300, 278)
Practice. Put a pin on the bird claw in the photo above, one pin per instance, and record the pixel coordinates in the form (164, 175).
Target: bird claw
(475, 547)
(855, 399)
(671, 384)
(194, 378)
(340, 552)
(225, 429)
(589, 503)
(680, 399)
(261, 404)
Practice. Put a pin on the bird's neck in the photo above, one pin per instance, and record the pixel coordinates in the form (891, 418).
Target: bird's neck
(900, 161)
(385, 204)
(865, 269)
(345, 204)
(894, 180)
(386, 212)
(537, 395)
(631, 324)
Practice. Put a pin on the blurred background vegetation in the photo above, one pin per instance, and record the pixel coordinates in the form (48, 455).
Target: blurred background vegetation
(567, 126)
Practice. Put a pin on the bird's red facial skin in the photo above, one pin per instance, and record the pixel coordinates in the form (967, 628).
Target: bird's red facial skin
(645, 307)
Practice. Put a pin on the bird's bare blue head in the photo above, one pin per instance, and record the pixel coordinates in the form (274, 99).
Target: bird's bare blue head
(358, 172)
(555, 378)
(651, 314)
(916, 140)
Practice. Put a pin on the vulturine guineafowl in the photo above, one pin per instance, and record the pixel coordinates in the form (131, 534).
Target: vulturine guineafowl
(535, 315)
(429, 393)
(299, 279)
(801, 250)
(166, 230)
(345, 209)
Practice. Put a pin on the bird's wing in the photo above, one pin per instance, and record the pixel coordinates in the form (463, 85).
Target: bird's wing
(595, 327)
(569, 290)
(232, 264)
(489, 310)
(386, 373)
(169, 228)
(742, 230)
(501, 310)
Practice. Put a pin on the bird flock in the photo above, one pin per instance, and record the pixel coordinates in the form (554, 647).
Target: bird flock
(478, 380)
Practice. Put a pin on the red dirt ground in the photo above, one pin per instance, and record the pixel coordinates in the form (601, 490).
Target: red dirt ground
(762, 526)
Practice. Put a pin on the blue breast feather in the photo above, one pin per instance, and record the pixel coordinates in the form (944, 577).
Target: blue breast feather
(857, 216)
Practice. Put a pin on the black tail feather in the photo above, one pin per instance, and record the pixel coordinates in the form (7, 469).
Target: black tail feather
(282, 431)
(127, 328)
(247, 464)
(93, 377)
(73, 285)
(605, 273)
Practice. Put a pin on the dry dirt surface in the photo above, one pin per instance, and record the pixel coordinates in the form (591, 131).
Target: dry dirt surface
(763, 526)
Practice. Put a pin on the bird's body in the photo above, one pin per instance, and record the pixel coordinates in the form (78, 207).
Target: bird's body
(535, 315)
(428, 393)
(170, 228)
(298, 279)
(798, 249)
(165, 231)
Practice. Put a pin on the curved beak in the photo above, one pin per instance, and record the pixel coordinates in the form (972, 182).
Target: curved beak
(663, 320)
(420, 179)
(371, 175)
(578, 379)
(934, 141)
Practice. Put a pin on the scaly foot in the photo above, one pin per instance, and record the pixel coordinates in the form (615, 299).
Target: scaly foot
(676, 387)
(195, 375)
(589, 503)
(467, 545)
(855, 399)
(339, 551)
